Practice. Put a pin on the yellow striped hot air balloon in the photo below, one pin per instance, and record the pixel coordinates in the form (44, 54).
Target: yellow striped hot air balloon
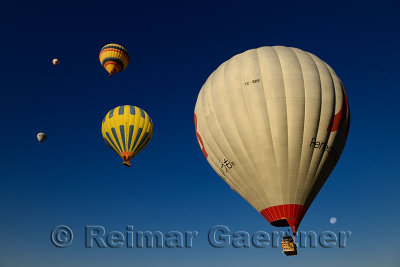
(127, 130)
(114, 58)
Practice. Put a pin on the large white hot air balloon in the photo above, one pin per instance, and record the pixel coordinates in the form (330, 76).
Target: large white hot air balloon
(273, 122)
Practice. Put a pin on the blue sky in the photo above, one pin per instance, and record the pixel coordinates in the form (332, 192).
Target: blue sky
(76, 180)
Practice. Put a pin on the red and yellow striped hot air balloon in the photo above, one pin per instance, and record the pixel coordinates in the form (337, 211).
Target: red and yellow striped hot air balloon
(114, 58)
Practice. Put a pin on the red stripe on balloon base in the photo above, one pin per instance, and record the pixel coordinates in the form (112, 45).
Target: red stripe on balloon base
(285, 215)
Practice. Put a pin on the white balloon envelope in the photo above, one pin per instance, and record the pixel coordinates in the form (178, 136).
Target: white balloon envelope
(273, 122)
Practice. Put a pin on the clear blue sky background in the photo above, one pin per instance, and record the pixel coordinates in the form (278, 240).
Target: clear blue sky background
(75, 179)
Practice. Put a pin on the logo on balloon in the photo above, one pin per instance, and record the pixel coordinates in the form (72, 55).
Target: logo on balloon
(323, 146)
(226, 165)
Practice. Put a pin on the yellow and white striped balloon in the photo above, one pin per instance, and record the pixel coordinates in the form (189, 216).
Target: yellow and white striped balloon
(273, 122)
(127, 130)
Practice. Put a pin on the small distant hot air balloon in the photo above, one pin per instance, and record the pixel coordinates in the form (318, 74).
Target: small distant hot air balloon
(114, 58)
(127, 130)
(56, 61)
(41, 137)
(273, 122)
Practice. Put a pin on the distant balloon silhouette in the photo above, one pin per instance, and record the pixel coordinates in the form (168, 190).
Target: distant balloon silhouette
(273, 122)
(41, 137)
